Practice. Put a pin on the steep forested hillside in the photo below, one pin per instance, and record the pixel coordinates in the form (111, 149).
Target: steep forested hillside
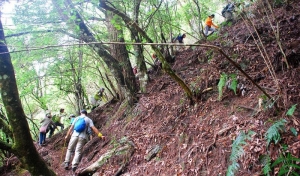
(230, 127)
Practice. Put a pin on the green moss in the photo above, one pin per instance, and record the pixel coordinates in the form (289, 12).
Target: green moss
(212, 37)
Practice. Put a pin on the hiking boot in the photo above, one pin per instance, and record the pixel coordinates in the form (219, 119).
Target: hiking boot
(74, 169)
(66, 166)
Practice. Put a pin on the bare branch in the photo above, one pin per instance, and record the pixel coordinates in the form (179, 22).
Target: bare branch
(42, 31)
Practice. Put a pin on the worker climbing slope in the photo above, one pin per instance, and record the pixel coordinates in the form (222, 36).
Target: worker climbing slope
(209, 25)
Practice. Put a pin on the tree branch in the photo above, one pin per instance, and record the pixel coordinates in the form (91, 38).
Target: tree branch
(42, 31)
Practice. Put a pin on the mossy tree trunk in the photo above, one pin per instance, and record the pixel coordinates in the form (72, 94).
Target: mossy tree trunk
(121, 54)
(138, 50)
(23, 146)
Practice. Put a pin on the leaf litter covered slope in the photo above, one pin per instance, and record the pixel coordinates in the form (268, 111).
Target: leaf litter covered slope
(196, 139)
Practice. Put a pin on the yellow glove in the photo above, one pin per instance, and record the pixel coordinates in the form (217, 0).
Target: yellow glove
(99, 135)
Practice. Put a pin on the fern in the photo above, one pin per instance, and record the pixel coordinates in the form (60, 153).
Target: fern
(266, 161)
(288, 164)
(273, 134)
(294, 131)
(221, 84)
(237, 151)
(234, 83)
(291, 111)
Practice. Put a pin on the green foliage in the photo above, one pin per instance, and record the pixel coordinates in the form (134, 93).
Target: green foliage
(213, 36)
(291, 111)
(234, 82)
(237, 151)
(209, 55)
(294, 131)
(226, 23)
(278, 2)
(221, 84)
(266, 161)
(288, 164)
(273, 134)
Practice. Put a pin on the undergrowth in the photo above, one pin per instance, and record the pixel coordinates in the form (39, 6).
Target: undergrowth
(230, 81)
(286, 162)
(273, 133)
(237, 151)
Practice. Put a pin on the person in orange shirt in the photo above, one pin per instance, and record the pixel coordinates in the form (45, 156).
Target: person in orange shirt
(209, 24)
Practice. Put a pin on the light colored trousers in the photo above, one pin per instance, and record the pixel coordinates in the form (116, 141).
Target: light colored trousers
(208, 29)
(179, 48)
(77, 142)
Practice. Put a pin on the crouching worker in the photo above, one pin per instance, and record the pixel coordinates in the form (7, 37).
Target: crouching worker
(179, 40)
(98, 97)
(209, 23)
(79, 138)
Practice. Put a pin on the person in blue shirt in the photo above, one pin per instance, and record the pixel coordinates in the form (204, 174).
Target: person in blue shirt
(179, 39)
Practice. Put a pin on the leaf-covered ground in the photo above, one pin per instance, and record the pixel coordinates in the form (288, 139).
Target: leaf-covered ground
(197, 139)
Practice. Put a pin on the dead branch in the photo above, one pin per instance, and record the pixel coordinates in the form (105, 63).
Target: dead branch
(207, 90)
(248, 108)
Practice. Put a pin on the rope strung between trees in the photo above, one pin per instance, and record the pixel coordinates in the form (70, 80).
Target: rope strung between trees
(109, 43)
(162, 44)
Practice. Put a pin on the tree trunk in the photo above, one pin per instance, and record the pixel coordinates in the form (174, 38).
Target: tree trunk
(140, 60)
(121, 54)
(79, 94)
(23, 146)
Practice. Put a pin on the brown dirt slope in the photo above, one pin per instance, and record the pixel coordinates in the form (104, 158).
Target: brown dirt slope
(197, 139)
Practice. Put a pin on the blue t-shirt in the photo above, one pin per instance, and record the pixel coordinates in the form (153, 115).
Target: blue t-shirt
(180, 38)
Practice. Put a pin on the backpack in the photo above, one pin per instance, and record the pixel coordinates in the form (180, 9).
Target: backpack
(229, 8)
(79, 125)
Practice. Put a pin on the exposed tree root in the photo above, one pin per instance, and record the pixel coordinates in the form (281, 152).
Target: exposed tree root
(127, 149)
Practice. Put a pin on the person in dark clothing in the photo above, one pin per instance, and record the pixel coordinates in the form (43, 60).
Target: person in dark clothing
(228, 10)
(179, 39)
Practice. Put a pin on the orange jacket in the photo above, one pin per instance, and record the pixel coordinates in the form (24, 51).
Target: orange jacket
(209, 22)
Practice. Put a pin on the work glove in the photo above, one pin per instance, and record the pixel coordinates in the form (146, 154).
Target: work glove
(101, 136)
